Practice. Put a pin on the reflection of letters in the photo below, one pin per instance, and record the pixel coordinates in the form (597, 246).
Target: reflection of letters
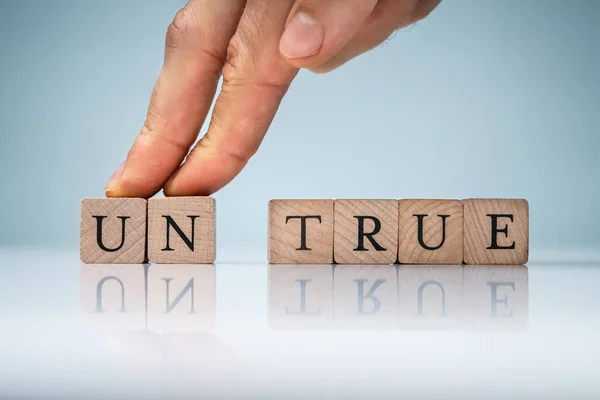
(303, 283)
(360, 309)
(420, 297)
(300, 296)
(181, 298)
(113, 296)
(496, 297)
(365, 296)
(187, 288)
(495, 301)
(430, 296)
(99, 293)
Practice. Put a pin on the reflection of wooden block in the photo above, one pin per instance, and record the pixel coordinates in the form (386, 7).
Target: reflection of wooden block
(430, 232)
(300, 296)
(113, 231)
(113, 296)
(365, 297)
(181, 230)
(430, 296)
(496, 297)
(181, 298)
(301, 231)
(366, 231)
(496, 231)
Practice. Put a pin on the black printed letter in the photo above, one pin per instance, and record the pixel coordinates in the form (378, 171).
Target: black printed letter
(303, 228)
(495, 231)
(362, 234)
(99, 219)
(188, 242)
(420, 218)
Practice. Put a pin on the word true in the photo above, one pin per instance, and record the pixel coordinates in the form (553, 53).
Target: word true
(473, 231)
(175, 230)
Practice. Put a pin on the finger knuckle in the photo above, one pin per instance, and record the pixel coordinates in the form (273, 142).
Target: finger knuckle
(180, 27)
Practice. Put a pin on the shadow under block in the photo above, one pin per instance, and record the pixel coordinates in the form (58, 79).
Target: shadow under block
(430, 296)
(181, 230)
(496, 297)
(300, 296)
(113, 296)
(430, 232)
(113, 231)
(365, 231)
(181, 298)
(365, 296)
(496, 231)
(301, 231)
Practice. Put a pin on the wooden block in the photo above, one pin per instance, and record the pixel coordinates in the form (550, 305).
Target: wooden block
(496, 231)
(113, 296)
(366, 231)
(496, 297)
(113, 231)
(430, 296)
(365, 296)
(181, 230)
(301, 231)
(300, 296)
(430, 232)
(181, 298)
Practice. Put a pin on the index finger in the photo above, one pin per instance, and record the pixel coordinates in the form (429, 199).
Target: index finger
(255, 79)
(195, 50)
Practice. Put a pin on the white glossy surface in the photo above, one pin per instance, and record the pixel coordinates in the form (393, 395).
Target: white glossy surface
(54, 345)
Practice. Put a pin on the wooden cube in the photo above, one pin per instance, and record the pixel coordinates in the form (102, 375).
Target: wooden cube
(365, 231)
(181, 298)
(181, 230)
(496, 297)
(300, 296)
(301, 231)
(430, 296)
(365, 296)
(430, 232)
(113, 231)
(113, 296)
(496, 231)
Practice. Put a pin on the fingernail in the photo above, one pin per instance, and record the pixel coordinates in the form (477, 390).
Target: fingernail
(111, 186)
(303, 37)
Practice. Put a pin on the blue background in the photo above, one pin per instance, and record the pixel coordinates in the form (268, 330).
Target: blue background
(481, 99)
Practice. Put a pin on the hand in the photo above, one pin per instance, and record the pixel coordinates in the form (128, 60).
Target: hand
(257, 46)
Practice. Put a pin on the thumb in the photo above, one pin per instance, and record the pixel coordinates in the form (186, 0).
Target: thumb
(317, 30)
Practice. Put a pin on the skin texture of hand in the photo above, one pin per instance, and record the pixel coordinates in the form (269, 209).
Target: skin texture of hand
(257, 47)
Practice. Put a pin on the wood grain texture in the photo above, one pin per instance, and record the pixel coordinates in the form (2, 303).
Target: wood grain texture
(479, 236)
(181, 298)
(496, 297)
(442, 217)
(347, 245)
(285, 241)
(112, 215)
(365, 297)
(300, 296)
(113, 296)
(430, 297)
(185, 212)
